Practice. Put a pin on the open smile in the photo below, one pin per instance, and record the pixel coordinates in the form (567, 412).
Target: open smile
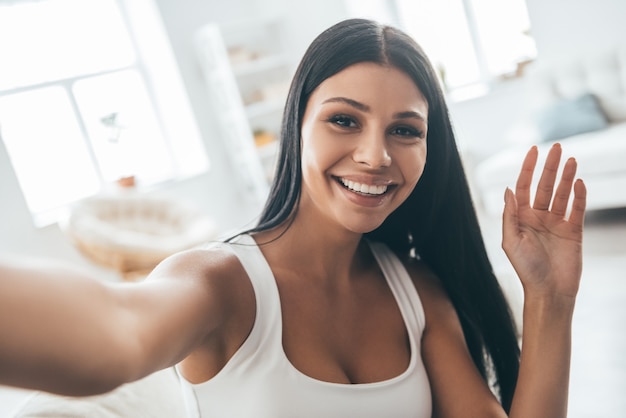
(363, 189)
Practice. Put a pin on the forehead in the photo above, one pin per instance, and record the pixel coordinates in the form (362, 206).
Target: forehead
(376, 85)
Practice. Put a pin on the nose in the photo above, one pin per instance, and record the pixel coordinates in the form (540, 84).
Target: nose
(372, 151)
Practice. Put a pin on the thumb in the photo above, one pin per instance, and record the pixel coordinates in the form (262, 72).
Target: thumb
(510, 220)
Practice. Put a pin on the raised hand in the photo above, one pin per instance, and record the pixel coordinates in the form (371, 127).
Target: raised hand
(544, 241)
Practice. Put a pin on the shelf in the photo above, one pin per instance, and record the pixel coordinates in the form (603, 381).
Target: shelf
(253, 53)
(264, 108)
(267, 63)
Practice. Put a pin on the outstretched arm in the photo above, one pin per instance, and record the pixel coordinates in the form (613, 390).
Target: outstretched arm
(543, 241)
(65, 332)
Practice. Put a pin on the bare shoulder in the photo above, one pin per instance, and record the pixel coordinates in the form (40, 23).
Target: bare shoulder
(223, 301)
(199, 261)
(192, 262)
(215, 270)
(205, 287)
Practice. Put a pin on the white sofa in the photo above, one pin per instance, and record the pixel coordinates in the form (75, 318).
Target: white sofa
(598, 146)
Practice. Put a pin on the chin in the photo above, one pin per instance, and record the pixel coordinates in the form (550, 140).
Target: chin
(365, 227)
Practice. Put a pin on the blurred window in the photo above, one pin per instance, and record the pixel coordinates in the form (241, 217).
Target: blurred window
(473, 44)
(76, 109)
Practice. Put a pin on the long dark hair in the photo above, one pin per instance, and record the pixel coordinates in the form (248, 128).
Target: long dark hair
(438, 220)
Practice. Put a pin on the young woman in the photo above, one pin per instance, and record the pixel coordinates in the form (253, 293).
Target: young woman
(365, 290)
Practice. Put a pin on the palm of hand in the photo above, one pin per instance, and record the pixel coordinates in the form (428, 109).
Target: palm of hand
(544, 246)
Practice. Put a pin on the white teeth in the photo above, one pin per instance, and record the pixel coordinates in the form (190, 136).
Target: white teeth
(364, 188)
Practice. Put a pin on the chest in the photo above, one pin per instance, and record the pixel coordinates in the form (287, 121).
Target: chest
(357, 335)
(312, 359)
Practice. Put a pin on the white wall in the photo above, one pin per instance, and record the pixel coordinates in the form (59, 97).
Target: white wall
(565, 27)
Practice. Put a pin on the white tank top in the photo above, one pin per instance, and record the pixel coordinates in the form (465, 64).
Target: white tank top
(259, 381)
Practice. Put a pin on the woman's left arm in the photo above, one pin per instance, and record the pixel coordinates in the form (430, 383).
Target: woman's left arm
(543, 241)
(544, 244)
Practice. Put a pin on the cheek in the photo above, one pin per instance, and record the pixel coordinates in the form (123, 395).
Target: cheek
(314, 163)
(411, 164)
(319, 153)
(310, 157)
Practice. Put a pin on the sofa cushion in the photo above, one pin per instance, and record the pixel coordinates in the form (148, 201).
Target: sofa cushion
(602, 73)
(598, 153)
(600, 156)
(568, 117)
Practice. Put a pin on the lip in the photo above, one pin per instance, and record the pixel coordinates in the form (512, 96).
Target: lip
(361, 199)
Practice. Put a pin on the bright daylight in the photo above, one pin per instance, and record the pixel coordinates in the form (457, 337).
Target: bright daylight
(372, 208)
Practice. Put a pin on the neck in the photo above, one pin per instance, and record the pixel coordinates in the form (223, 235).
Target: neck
(323, 252)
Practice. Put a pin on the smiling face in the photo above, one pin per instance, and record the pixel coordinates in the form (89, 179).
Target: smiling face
(363, 146)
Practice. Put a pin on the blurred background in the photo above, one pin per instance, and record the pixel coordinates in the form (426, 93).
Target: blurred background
(181, 101)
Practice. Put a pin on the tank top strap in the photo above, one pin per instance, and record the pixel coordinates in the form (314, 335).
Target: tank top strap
(401, 285)
(266, 328)
(255, 265)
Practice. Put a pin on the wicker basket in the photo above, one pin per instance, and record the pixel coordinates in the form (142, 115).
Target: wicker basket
(132, 233)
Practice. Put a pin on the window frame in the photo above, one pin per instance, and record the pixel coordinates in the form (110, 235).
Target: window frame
(486, 80)
(148, 77)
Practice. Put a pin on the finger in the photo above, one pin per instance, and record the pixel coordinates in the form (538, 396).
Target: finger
(577, 216)
(522, 187)
(543, 197)
(564, 190)
(510, 221)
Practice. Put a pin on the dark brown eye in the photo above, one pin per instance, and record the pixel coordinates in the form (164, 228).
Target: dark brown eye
(407, 131)
(343, 121)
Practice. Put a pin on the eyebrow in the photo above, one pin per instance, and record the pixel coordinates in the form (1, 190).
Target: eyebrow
(365, 108)
(357, 105)
(409, 114)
